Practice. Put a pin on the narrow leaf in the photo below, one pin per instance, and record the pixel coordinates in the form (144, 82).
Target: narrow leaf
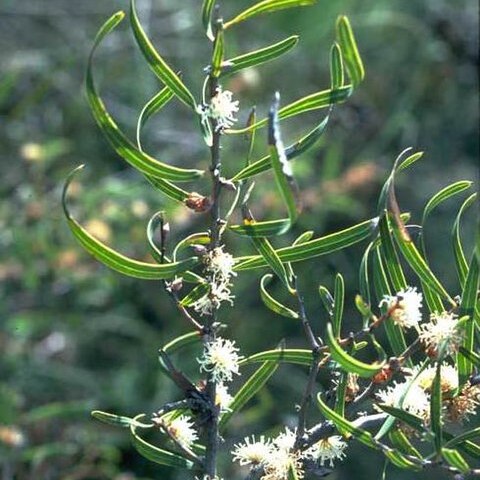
(157, 64)
(336, 67)
(207, 9)
(126, 149)
(287, 355)
(344, 425)
(401, 461)
(348, 44)
(267, 6)
(436, 410)
(118, 420)
(408, 418)
(258, 57)
(249, 389)
(339, 299)
(313, 248)
(115, 260)
(455, 459)
(156, 454)
(293, 151)
(349, 363)
(273, 304)
(218, 52)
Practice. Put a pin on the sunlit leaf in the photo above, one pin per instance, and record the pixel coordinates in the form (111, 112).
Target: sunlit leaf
(339, 299)
(436, 409)
(156, 454)
(455, 459)
(287, 355)
(348, 45)
(313, 248)
(401, 441)
(267, 6)
(293, 151)
(118, 420)
(349, 363)
(273, 304)
(406, 417)
(250, 388)
(207, 9)
(401, 461)
(336, 67)
(122, 145)
(257, 57)
(218, 52)
(157, 64)
(342, 423)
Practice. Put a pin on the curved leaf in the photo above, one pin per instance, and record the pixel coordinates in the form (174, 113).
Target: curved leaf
(273, 304)
(257, 57)
(181, 342)
(115, 260)
(436, 409)
(156, 454)
(118, 420)
(218, 52)
(293, 151)
(122, 145)
(267, 6)
(287, 355)
(339, 299)
(250, 388)
(455, 459)
(207, 9)
(336, 67)
(348, 44)
(157, 64)
(401, 461)
(313, 248)
(349, 363)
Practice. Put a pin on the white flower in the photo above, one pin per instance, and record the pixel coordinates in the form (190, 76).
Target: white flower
(252, 452)
(181, 429)
(220, 263)
(220, 358)
(416, 400)
(222, 398)
(222, 109)
(442, 331)
(329, 449)
(448, 378)
(407, 305)
(219, 292)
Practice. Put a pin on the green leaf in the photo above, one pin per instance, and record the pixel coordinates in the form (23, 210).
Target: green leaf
(207, 9)
(467, 308)
(463, 437)
(444, 194)
(418, 263)
(157, 64)
(408, 418)
(455, 459)
(118, 420)
(115, 260)
(181, 342)
(261, 229)
(399, 440)
(349, 363)
(287, 355)
(401, 461)
(344, 425)
(122, 145)
(218, 52)
(327, 300)
(293, 151)
(156, 103)
(468, 447)
(410, 160)
(471, 356)
(336, 67)
(168, 188)
(460, 260)
(273, 260)
(273, 304)
(364, 281)
(339, 299)
(313, 248)
(196, 294)
(436, 409)
(315, 101)
(250, 388)
(267, 6)
(392, 263)
(156, 454)
(281, 169)
(257, 57)
(348, 45)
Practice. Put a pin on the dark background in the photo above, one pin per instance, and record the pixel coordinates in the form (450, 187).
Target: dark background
(75, 336)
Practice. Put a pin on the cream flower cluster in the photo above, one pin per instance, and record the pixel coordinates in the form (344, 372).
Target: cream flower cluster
(222, 109)
(408, 304)
(219, 270)
(277, 456)
(443, 332)
(220, 358)
(181, 429)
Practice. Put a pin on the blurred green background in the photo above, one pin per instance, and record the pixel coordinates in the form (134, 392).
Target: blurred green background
(75, 336)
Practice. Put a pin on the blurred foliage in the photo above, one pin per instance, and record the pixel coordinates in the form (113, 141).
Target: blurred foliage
(75, 336)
